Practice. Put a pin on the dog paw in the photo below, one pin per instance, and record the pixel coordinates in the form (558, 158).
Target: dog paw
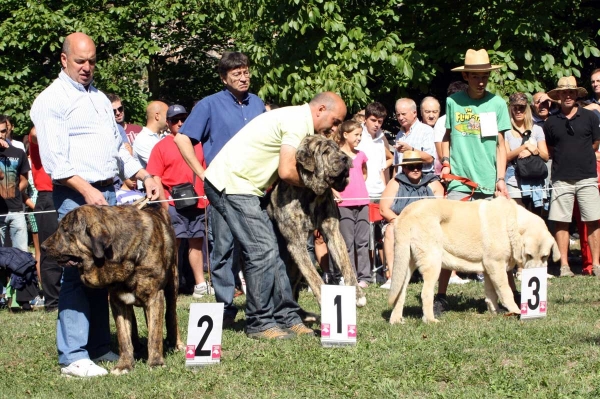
(156, 362)
(120, 370)
(426, 320)
(360, 302)
(396, 320)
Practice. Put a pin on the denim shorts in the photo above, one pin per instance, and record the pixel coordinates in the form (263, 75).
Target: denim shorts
(188, 223)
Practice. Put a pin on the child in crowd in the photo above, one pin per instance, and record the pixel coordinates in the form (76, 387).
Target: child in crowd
(354, 202)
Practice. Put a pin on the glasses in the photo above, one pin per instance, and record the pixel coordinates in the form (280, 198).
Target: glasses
(4, 131)
(570, 128)
(176, 119)
(519, 108)
(239, 74)
(414, 166)
(118, 110)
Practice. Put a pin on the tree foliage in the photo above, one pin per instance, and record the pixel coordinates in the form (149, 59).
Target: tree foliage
(366, 51)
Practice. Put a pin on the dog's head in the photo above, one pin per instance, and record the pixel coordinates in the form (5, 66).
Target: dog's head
(82, 239)
(322, 165)
(537, 242)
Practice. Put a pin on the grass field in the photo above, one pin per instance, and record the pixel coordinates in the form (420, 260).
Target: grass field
(470, 354)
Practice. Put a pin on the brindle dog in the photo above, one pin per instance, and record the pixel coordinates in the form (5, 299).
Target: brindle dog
(298, 211)
(132, 253)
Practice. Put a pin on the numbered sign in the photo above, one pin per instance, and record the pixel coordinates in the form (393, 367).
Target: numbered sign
(338, 315)
(534, 285)
(205, 329)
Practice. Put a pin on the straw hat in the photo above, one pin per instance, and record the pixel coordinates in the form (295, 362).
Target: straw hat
(411, 157)
(476, 61)
(567, 83)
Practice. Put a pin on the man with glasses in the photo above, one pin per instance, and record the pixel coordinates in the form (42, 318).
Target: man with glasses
(573, 136)
(130, 129)
(213, 122)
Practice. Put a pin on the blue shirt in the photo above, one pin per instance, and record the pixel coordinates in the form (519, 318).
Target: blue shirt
(217, 118)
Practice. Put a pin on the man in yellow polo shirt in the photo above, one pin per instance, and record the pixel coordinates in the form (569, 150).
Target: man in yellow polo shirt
(235, 184)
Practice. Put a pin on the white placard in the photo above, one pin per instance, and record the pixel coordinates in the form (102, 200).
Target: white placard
(205, 329)
(338, 315)
(488, 124)
(534, 292)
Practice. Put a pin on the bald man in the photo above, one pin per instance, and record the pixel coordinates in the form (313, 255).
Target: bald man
(156, 123)
(80, 146)
(235, 183)
(430, 110)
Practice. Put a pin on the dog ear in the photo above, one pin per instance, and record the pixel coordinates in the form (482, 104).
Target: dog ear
(100, 240)
(305, 157)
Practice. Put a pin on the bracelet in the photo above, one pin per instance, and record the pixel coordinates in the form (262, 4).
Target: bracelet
(500, 178)
(445, 159)
(148, 176)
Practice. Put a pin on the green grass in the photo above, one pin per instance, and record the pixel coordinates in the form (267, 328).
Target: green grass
(470, 354)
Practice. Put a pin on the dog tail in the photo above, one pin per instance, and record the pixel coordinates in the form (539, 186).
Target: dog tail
(401, 269)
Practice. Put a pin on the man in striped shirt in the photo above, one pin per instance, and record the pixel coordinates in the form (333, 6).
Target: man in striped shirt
(80, 147)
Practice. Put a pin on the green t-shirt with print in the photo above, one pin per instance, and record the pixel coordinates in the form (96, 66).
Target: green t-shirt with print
(472, 155)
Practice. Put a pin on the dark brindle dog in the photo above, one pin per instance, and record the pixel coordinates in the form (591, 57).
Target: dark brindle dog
(132, 253)
(298, 211)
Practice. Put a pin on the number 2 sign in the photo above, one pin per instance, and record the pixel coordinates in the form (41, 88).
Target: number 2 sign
(534, 286)
(205, 329)
(338, 315)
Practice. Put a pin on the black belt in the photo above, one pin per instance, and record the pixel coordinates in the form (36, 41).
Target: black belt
(101, 183)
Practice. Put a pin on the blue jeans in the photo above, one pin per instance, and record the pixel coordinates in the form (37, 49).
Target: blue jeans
(222, 266)
(82, 329)
(17, 230)
(269, 299)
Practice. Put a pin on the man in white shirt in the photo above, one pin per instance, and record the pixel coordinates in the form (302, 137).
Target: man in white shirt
(373, 144)
(156, 122)
(413, 135)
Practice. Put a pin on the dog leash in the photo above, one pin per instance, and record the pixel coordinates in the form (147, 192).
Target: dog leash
(465, 181)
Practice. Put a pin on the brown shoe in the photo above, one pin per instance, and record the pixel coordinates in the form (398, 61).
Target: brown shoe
(301, 329)
(271, 333)
(565, 271)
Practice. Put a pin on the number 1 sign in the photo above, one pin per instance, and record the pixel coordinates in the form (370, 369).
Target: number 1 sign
(534, 285)
(338, 315)
(205, 329)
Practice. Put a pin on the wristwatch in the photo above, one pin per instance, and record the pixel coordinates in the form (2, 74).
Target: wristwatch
(500, 178)
(148, 176)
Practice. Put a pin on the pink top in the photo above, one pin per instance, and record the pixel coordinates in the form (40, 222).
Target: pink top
(356, 189)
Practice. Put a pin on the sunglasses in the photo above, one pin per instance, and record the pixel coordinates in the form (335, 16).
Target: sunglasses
(570, 128)
(178, 119)
(414, 166)
(519, 108)
(118, 110)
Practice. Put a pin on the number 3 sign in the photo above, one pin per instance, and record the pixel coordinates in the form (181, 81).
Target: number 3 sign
(534, 285)
(205, 329)
(338, 315)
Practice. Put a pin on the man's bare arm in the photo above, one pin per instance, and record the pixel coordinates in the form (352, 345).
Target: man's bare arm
(186, 149)
(287, 166)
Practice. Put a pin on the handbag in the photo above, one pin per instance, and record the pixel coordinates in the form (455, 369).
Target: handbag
(184, 195)
(532, 167)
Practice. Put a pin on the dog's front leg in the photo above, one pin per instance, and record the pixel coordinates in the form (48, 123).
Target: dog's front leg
(155, 313)
(299, 254)
(491, 297)
(123, 315)
(330, 228)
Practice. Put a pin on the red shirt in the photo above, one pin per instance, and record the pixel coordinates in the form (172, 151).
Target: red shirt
(41, 180)
(132, 131)
(166, 162)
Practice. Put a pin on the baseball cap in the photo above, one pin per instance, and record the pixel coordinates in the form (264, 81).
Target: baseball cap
(176, 110)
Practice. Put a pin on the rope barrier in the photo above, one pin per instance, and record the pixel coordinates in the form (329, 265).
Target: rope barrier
(547, 189)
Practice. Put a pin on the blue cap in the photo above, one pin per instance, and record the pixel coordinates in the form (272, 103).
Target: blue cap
(176, 110)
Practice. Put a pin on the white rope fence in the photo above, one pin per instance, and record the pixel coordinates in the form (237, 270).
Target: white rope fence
(547, 189)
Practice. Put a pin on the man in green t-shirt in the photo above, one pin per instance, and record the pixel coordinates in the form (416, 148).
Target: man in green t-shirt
(473, 146)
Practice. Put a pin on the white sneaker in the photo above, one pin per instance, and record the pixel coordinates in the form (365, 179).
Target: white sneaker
(109, 356)
(83, 368)
(202, 289)
(387, 285)
(458, 280)
(243, 280)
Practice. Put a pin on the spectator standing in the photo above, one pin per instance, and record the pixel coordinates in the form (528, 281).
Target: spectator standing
(156, 123)
(439, 130)
(430, 111)
(236, 186)
(573, 135)
(595, 82)
(541, 108)
(373, 144)
(213, 122)
(47, 222)
(169, 170)
(473, 146)
(80, 146)
(130, 129)
(9, 136)
(414, 135)
(353, 203)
